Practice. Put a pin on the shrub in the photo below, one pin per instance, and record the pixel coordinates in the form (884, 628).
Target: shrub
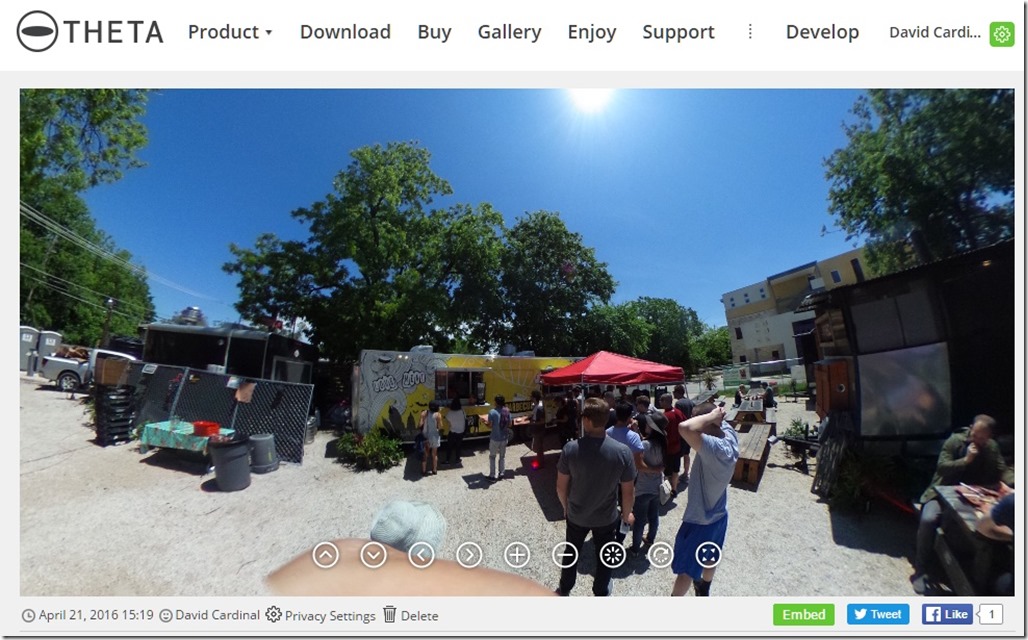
(796, 429)
(373, 450)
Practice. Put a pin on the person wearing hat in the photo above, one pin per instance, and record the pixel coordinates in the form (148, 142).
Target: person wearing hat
(402, 523)
(653, 427)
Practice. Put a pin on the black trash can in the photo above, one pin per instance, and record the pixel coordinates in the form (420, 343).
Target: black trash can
(231, 463)
(264, 458)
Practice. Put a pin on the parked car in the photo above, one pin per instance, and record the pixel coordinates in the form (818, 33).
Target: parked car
(71, 374)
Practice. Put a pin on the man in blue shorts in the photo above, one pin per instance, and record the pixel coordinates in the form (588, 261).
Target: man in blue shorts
(706, 513)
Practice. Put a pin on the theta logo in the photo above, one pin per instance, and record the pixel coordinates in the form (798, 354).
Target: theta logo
(37, 31)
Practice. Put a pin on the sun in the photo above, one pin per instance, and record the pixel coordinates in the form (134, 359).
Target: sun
(590, 100)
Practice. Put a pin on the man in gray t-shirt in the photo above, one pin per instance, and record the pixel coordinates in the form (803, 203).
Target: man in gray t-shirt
(589, 471)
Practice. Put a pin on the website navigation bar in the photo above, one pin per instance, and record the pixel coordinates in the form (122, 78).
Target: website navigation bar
(744, 36)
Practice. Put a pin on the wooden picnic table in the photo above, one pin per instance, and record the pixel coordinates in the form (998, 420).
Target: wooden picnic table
(968, 557)
(750, 411)
(753, 453)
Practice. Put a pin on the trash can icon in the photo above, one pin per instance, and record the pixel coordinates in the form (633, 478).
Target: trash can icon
(390, 614)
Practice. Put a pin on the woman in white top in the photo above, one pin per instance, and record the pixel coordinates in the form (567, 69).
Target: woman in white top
(455, 417)
(430, 429)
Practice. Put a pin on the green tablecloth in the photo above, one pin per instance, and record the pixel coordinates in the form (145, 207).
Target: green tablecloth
(161, 434)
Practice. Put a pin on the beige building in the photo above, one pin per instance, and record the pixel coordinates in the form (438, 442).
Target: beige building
(762, 322)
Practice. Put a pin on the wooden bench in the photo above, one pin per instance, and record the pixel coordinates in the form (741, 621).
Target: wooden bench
(753, 452)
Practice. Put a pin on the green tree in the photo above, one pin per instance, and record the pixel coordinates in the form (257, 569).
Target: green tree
(78, 137)
(617, 328)
(935, 167)
(711, 348)
(380, 268)
(71, 140)
(549, 281)
(673, 328)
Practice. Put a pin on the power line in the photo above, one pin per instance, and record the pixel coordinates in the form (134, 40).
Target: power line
(124, 303)
(68, 294)
(65, 233)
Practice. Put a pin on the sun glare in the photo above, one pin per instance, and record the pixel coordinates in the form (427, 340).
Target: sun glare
(590, 100)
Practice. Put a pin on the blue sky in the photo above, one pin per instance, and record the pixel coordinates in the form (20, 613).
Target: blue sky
(685, 194)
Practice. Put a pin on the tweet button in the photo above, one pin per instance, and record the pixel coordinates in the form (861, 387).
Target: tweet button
(877, 614)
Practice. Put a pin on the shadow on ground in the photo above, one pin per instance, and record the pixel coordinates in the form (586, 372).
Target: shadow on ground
(191, 462)
(881, 530)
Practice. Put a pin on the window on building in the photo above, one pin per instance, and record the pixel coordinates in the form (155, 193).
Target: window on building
(836, 278)
(742, 358)
(738, 333)
(775, 356)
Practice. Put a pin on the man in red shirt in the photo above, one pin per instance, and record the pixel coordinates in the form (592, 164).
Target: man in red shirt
(673, 455)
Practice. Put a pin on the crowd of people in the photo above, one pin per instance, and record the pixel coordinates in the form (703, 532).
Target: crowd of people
(609, 480)
(620, 452)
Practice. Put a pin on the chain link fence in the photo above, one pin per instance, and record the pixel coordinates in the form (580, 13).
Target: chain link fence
(249, 406)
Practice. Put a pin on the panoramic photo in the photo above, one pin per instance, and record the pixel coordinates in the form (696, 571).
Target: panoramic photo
(539, 342)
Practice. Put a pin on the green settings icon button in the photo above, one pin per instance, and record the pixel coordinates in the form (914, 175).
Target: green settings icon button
(1001, 34)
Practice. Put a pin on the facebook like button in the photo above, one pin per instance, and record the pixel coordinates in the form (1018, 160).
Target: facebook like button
(878, 614)
(947, 614)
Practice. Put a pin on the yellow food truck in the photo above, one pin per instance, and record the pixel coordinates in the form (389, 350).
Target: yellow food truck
(392, 388)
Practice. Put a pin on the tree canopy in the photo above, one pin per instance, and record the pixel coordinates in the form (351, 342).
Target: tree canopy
(550, 279)
(926, 173)
(382, 268)
(71, 140)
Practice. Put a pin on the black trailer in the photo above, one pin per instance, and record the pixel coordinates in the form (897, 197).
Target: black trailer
(913, 354)
(232, 350)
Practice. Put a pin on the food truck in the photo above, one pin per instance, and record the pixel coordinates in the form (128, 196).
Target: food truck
(392, 388)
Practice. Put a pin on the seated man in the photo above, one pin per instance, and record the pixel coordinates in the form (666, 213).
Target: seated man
(970, 456)
(998, 524)
(769, 396)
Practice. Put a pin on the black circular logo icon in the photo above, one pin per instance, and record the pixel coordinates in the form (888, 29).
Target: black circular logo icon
(37, 31)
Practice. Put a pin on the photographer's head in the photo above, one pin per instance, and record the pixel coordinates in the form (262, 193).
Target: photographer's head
(400, 524)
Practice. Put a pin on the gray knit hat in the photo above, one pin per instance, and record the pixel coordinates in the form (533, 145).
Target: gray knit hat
(401, 523)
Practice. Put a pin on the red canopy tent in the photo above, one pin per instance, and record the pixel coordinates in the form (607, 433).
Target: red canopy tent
(604, 367)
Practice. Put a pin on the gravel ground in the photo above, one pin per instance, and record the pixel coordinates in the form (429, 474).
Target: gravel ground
(152, 524)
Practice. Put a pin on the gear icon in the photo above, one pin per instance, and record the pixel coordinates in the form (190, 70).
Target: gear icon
(274, 614)
(1001, 34)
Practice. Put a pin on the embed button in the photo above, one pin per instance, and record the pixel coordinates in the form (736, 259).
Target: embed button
(811, 615)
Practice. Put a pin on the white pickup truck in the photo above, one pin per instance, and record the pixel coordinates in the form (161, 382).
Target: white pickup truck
(70, 374)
